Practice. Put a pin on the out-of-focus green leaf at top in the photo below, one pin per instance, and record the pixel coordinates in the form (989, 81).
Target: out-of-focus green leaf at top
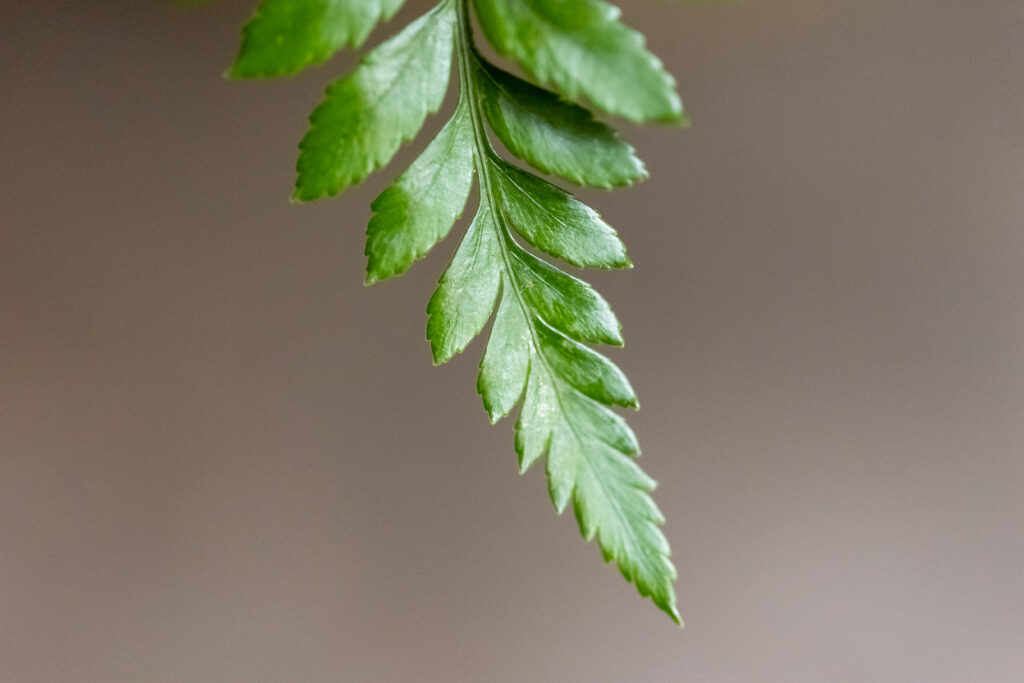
(366, 116)
(581, 49)
(285, 36)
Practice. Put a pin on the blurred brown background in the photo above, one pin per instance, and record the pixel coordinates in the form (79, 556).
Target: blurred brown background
(223, 459)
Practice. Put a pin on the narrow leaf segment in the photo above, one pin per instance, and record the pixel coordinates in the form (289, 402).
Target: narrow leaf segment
(538, 353)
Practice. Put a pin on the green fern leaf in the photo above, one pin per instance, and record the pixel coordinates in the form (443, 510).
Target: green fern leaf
(419, 209)
(367, 115)
(581, 49)
(568, 388)
(553, 221)
(285, 36)
(466, 292)
(538, 353)
(555, 136)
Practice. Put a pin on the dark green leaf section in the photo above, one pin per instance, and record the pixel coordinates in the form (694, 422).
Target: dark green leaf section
(555, 136)
(555, 222)
(284, 36)
(366, 116)
(587, 371)
(566, 301)
(580, 48)
(419, 209)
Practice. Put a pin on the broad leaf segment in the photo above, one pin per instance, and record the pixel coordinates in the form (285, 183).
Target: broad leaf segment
(538, 353)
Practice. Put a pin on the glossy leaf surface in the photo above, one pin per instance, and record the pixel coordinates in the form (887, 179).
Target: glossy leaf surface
(582, 50)
(368, 114)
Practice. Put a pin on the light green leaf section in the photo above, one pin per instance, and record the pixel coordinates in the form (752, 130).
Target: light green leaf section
(555, 222)
(590, 450)
(419, 209)
(284, 36)
(506, 361)
(555, 136)
(367, 115)
(467, 291)
(581, 49)
(532, 355)
(590, 462)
